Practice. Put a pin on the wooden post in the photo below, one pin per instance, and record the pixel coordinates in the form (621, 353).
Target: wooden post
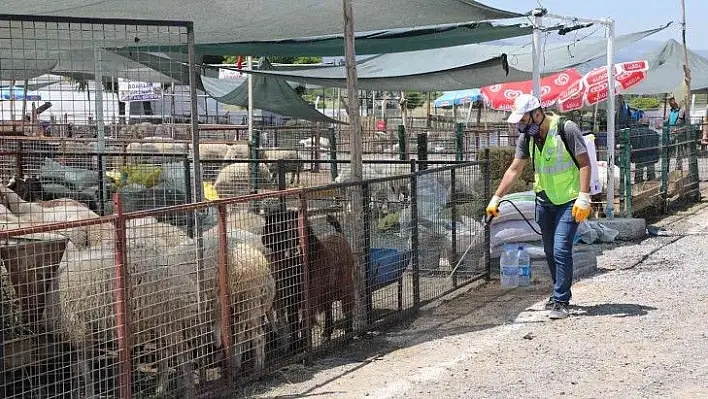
(356, 163)
(686, 69)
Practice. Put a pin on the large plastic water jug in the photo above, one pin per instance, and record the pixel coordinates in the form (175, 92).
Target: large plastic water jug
(524, 263)
(509, 267)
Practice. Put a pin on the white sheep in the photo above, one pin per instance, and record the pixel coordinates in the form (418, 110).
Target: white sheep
(309, 143)
(213, 151)
(234, 179)
(30, 213)
(163, 307)
(251, 288)
(238, 151)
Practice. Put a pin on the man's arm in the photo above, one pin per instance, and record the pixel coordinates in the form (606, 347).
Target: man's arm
(585, 172)
(513, 173)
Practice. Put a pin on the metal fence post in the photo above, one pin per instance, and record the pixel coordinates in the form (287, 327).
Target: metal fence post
(453, 216)
(101, 186)
(188, 194)
(423, 150)
(459, 141)
(366, 261)
(487, 228)
(665, 161)
(415, 256)
(695, 132)
(224, 296)
(333, 169)
(305, 250)
(402, 142)
(122, 304)
(255, 146)
(626, 162)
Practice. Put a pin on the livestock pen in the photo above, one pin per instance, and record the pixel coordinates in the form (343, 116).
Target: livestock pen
(152, 306)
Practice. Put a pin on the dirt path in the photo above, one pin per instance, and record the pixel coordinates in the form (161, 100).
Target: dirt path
(638, 329)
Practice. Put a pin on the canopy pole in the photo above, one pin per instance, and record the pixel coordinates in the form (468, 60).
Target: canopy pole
(536, 51)
(357, 214)
(610, 119)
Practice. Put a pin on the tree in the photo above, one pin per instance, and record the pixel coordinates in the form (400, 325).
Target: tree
(644, 103)
(414, 99)
(232, 59)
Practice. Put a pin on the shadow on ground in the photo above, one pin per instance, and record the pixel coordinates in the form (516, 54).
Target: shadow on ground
(482, 307)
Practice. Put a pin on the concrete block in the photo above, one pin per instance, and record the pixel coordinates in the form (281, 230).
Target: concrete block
(630, 229)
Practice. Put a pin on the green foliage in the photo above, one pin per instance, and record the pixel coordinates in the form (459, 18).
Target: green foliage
(232, 59)
(644, 103)
(500, 159)
(388, 223)
(415, 99)
(145, 175)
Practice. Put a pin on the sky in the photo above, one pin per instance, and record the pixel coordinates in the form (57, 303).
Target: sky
(629, 15)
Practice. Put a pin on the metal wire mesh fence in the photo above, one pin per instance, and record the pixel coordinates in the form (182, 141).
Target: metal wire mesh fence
(659, 169)
(135, 303)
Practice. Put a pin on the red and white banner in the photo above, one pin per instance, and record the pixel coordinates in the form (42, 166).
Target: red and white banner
(594, 87)
(502, 96)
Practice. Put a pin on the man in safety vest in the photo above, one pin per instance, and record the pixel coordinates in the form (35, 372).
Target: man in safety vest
(562, 183)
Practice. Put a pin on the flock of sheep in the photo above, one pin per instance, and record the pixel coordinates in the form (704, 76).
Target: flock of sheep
(173, 292)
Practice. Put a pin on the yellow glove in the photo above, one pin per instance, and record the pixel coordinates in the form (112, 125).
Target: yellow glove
(581, 209)
(493, 207)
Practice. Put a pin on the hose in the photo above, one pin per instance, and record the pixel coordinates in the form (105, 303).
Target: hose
(487, 220)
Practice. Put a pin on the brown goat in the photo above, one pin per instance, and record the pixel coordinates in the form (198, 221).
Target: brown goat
(331, 265)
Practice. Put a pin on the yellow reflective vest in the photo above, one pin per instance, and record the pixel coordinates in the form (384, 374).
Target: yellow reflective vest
(555, 171)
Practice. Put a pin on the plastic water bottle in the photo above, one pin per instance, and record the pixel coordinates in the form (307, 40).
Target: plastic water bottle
(509, 267)
(524, 263)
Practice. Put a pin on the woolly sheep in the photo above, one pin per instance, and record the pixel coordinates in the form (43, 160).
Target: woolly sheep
(164, 307)
(251, 287)
(238, 151)
(295, 168)
(309, 143)
(234, 179)
(30, 213)
(213, 151)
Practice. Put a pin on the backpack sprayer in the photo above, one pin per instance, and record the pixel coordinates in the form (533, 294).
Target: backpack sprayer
(487, 221)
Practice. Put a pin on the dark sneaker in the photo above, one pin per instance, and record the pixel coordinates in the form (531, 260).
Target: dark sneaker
(550, 302)
(559, 311)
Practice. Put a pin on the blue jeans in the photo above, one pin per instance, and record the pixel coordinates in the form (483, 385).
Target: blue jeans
(558, 228)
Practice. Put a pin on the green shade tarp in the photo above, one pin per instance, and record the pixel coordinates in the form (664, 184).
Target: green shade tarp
(375, 42)
(665, 73)
(226, 21)
(274, 95)
(459, 67)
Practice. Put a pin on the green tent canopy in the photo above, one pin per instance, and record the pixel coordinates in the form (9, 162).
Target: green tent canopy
(274, 95)
(373, 42)
(227, 21)
(459, 67)
(665, 73)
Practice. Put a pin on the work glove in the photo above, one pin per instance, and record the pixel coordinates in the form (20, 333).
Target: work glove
(493, 207)
(581, 209)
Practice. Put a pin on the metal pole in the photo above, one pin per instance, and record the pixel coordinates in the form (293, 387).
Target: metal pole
(194, 120)
(610, 119)
(356, 161)
(536, 51)
(250, 99)
(100, 125)
(197, 187)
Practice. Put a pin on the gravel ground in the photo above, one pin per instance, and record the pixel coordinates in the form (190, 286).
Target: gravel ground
(637, 329)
